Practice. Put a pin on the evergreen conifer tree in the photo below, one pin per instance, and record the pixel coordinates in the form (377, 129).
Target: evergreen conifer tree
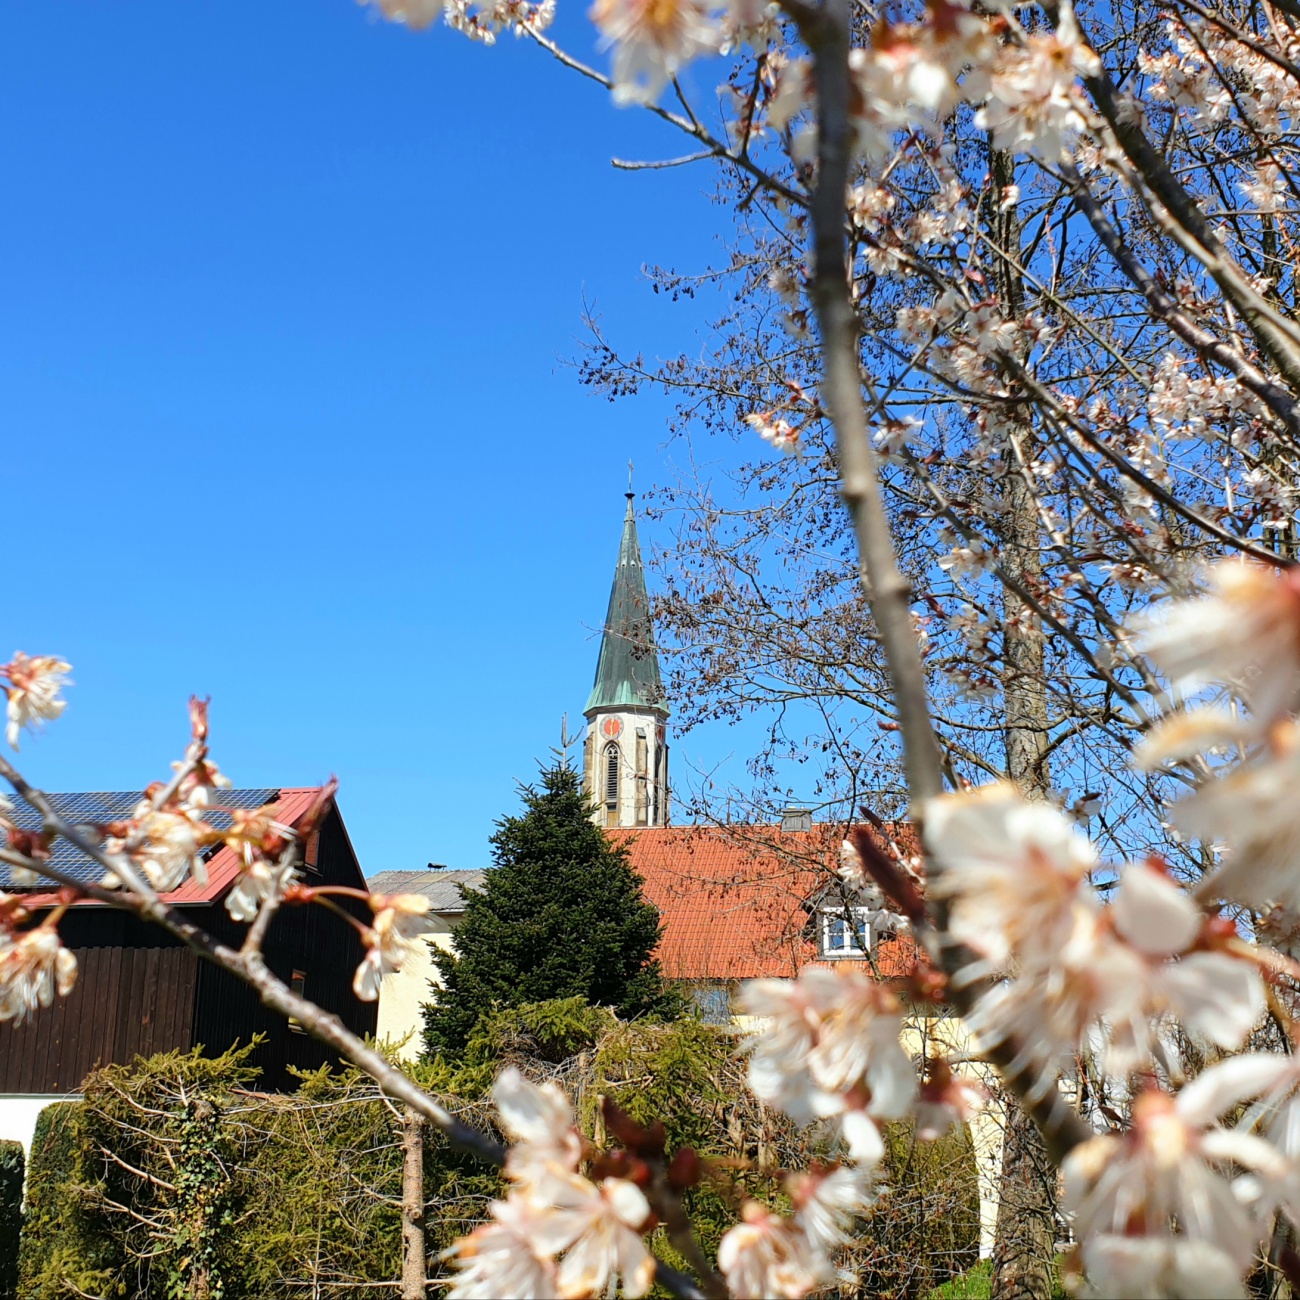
(561, 915)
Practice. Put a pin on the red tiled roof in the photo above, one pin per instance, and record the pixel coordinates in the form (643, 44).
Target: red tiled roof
(223, 866)
(733, 900)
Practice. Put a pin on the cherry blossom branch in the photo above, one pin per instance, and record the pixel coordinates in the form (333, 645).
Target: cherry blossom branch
(827, 32)
(1135, 475)
(1178, 214)
(1281, 401)
(714, 148)
(248, 965)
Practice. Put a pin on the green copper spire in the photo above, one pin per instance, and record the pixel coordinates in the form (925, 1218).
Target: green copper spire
(627, 672)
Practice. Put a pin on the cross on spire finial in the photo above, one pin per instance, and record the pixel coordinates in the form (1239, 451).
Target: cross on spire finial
(630, 493)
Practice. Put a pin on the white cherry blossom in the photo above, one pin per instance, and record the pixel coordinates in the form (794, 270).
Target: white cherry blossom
(596, 1229)
(33, 691)
(399, 921)
(34, 965)
(766, 1257)
(827, 1201)
(1015, 871)
(414, 13)
(653, 40)
(1253, 812)
(829, 1047)
(164, 845)
(539, 1121)
(499, 1259)
(1158, 1268)
(771, 428)
(1031, 106)
(255, 884)
(1169, 1180)
(1245, 634)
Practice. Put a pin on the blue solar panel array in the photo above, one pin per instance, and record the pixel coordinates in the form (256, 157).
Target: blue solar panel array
(100, 806)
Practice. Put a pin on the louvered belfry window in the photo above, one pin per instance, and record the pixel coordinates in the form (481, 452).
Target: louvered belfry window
(611, 775)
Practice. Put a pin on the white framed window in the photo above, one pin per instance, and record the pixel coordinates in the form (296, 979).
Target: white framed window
(846, 932)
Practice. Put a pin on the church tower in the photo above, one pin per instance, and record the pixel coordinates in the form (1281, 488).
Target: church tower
(625, 757)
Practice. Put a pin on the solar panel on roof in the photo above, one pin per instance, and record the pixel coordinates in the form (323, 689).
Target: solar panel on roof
(95, 807)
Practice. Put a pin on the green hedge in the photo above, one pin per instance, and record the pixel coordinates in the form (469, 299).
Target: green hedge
(174, 1179)
(11, 1215)
(55, 1248)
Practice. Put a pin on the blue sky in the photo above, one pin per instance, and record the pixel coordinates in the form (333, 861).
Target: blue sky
(286, 296)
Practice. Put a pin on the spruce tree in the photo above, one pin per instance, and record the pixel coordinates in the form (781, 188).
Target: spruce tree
(561, 915)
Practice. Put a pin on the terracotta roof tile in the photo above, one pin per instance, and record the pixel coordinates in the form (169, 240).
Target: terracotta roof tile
(733, 901)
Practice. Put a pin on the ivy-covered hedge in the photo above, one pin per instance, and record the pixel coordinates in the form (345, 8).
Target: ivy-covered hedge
(11, 1215)
(173, 1178)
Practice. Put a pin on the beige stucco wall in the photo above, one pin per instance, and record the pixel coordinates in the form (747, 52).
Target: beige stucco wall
(948, 1036)
(402, 994)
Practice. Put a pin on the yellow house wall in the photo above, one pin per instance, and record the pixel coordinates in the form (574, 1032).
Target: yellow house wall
(403, 993)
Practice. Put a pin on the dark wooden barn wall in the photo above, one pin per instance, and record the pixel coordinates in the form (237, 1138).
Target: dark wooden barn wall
(139, 992)
(309, 939)
(127, 1002)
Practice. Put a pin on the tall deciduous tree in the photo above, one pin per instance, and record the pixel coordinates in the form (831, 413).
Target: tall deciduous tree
(562, 915)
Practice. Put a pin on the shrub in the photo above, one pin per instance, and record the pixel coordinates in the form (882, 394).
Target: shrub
(560, 916)
(295, 1196)
(11, 1215)
(59, 1251)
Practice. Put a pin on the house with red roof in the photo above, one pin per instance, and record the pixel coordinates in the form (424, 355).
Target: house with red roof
(747, 902)
(139, 990)
(737, 901)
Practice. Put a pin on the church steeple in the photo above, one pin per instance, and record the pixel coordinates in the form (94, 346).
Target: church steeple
(626, 750)
(627, 672)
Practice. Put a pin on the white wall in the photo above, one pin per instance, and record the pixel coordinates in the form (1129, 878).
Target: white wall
(18, 1112)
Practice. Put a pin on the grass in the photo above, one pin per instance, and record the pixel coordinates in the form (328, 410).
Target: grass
(977, 1284)
(974, 1285)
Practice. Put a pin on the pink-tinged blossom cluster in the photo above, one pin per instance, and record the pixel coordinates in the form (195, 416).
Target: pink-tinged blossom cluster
(33, 690)
(1161, 1209)
(556, 1233)
(652, 41)
(768, 1255)
(1063, 969)
(1033, 105)
(392, 938)
(34, 964)
(828, 1049)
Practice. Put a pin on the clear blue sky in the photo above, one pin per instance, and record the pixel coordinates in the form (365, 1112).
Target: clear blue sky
(285, 299)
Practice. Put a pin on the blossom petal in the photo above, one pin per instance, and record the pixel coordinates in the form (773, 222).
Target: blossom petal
(1153, 913)
(1216, 995)
(1230, 1082)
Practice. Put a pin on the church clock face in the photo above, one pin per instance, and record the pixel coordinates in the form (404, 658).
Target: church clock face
(611, 728)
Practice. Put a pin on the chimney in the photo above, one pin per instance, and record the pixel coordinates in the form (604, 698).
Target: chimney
(796, 817)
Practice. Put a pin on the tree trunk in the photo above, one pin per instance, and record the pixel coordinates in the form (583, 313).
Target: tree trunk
(1026, 1223)
(1026, 1231)
(414, 1279)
